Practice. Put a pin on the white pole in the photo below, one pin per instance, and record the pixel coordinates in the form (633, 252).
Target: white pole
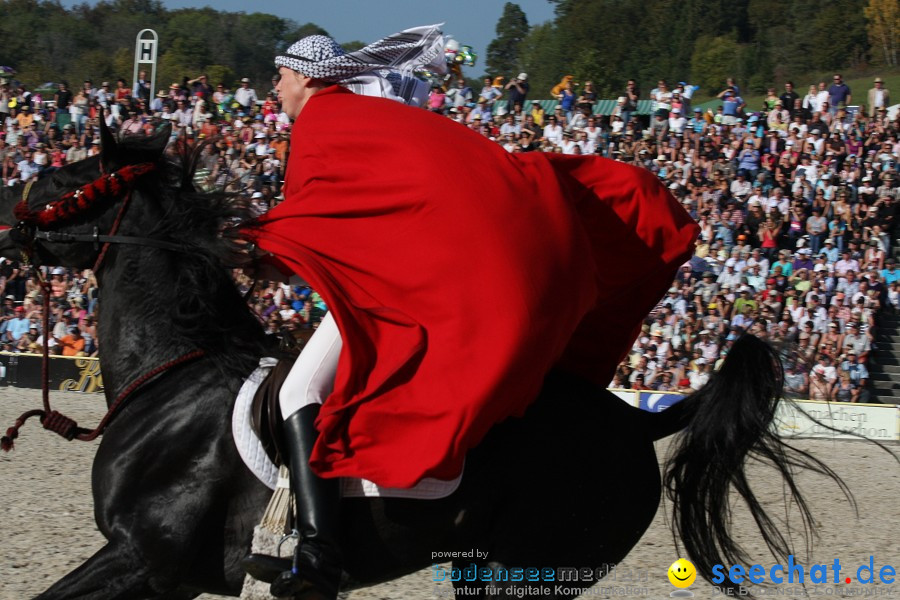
(145, 51)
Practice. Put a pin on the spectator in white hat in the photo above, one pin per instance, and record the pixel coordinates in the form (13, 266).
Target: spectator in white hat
(830, 251)
(675, 301)
(700, 377)
(245, 96)
(878, 97)
(707, 345)
(729, 276)
(517, 91)
(819, 386)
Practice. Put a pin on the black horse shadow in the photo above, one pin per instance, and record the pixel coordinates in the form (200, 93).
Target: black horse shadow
(572, 484)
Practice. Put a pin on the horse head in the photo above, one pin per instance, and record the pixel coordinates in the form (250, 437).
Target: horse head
(155, 243)
(53, 217)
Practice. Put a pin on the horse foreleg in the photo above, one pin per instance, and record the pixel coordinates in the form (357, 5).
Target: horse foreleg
(114, 572)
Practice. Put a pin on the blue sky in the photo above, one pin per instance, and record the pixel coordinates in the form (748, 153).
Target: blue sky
(470, 22)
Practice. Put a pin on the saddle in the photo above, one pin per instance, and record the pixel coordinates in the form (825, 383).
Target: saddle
(265, 412)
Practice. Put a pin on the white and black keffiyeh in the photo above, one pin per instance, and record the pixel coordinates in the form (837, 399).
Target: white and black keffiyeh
(384, 68)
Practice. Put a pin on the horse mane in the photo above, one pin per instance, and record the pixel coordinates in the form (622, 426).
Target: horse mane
(208, 310)
(208, 220)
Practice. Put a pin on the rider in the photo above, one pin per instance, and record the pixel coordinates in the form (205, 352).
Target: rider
(456, 275)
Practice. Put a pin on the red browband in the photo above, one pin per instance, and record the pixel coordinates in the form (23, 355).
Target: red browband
(83, 199)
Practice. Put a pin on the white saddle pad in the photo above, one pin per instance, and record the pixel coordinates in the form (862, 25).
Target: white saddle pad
(256, 459)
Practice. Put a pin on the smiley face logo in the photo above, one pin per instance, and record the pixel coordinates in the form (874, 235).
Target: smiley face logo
(682, 573)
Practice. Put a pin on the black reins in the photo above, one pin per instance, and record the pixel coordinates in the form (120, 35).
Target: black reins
(57, 237)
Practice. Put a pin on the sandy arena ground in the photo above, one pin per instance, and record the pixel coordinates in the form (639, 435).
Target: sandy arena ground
(47, 527)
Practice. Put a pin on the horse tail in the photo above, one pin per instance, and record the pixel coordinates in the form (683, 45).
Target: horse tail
(727, 422)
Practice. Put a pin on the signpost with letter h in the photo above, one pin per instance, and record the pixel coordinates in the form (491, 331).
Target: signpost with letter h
(145, 55)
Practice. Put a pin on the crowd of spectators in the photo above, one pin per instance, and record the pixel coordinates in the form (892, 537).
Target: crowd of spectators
(72, 304)
(44, 132)
(796, 203)
(795, 200)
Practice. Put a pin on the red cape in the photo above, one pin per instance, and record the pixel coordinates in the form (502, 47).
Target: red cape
(459, 275)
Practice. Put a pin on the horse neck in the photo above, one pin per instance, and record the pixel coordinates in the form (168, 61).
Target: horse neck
(134, 325)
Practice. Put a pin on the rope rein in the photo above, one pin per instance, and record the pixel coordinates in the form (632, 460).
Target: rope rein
(68, 207)
(68, 428)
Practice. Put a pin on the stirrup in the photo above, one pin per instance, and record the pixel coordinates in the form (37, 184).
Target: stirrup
(267, 568)
(312, 572)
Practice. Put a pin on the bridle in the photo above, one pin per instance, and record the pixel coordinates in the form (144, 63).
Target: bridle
(28, 233)
(32, 226)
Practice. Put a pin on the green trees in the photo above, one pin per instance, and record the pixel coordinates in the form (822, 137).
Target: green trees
(883, 27)
(503, 52)
(301, 31)
(758, 42)
(543, 54)
(714, 60)
(44, 41)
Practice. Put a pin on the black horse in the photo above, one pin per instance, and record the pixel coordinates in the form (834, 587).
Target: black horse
(574, 483)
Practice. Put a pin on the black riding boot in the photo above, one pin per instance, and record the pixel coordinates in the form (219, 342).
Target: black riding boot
(316, 569)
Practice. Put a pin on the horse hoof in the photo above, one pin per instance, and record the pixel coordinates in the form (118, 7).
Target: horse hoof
(263, 567)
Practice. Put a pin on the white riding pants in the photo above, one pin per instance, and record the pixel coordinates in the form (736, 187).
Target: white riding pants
(311, 379)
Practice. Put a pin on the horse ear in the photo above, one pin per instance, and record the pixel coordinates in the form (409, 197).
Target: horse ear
(109, 148)
(158, 141)
(145, 148)
(132, 149)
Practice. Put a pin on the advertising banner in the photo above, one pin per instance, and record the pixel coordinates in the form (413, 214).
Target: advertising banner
(797, 419)
(67, 374)
(658, 401)
(872, 421)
